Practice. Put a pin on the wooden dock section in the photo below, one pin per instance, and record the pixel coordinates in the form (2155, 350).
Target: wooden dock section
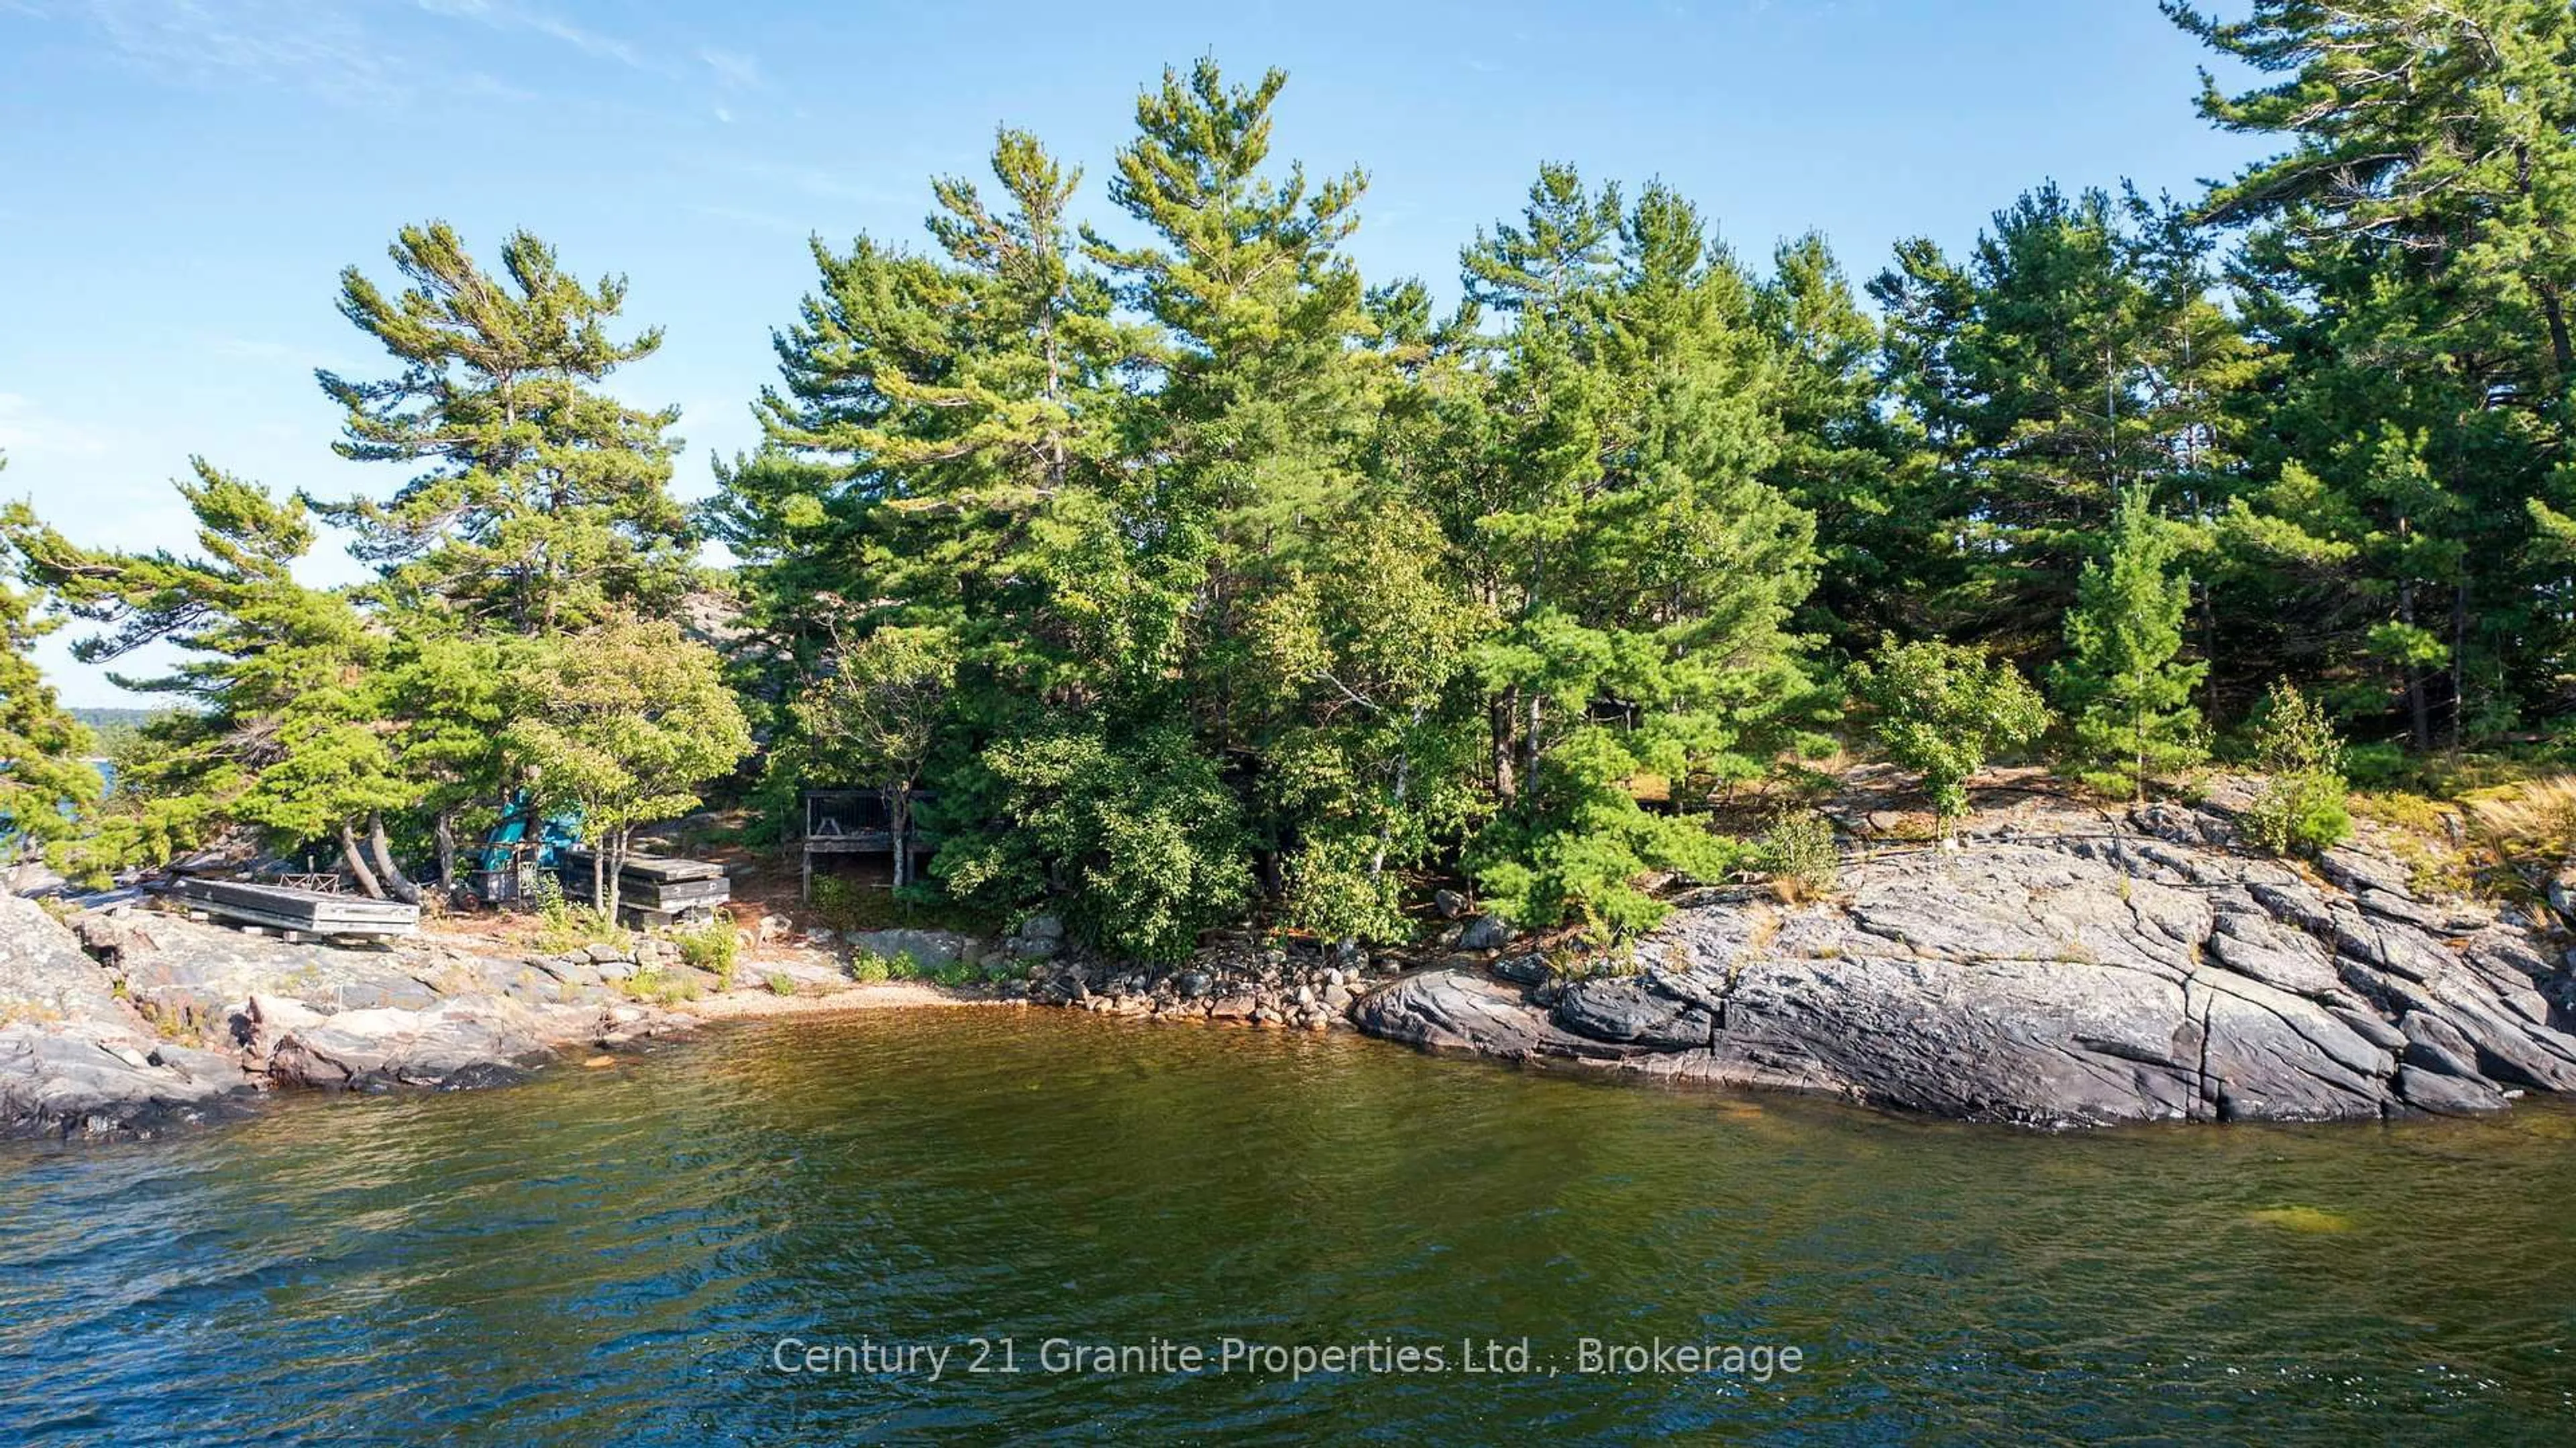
(299, 912)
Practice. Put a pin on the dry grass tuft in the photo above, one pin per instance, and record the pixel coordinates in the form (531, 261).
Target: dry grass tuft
(2529, 823)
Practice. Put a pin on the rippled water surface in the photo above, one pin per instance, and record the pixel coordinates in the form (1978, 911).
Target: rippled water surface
(614, 1256)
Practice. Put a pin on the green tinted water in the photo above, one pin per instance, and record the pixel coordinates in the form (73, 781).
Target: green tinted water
(616, 1256)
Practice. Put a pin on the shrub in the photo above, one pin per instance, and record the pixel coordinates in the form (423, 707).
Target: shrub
(870, 969)
(2374, 766)
(841, 903)
(711, 946)
(780, 985)
(1136, 828)
(1799, 853)
(662, 986)
(2301, 808)
(1939, 709)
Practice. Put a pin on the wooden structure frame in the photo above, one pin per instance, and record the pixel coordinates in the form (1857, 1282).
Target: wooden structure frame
(299, 912)
(854, 822)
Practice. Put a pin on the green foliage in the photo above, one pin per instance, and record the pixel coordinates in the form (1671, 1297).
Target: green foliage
(870, 969)
(544, 505)
(285, 738)
(624, 723)
(1580, 847)
(1942, 709)
(2301, 807)
(840, 902)
(1134, 827)
(1799, 854)
(713, 946)
(780, 984)
(874, 713)
(2076, 349)
(2408, 257)
(47, 784)
(1642, 570)
(2125, 692)
(1176, 575)
(660, 987)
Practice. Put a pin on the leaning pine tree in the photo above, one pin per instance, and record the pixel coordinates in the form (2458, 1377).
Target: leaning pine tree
(544, 504)
(45, 782)
(2124, 689)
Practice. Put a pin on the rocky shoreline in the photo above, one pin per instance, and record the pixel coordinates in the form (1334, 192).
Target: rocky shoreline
(2070, 966)
(131, 1022)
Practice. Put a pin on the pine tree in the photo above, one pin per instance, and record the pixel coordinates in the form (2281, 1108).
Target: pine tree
(285, 737)
(47, 783)
(545, 503)
(1262, 391)
(1642, 572)
(2124, 690)
(2076, 348)
(2407, 258)
(1862, 468)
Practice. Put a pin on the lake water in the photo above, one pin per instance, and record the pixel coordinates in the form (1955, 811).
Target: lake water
(616, 1256)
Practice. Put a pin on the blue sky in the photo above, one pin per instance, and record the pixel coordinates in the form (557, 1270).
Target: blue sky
(182, 180)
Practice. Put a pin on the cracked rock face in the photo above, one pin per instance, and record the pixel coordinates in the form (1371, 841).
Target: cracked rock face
(74, 1058)
(2089, 970)
(139, 1021)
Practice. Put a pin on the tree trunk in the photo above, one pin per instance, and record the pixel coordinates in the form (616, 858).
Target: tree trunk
(599, 876)
(1529, 740)
(900, 816)
(2209, 650)
(2138, 724)
(2562, 349)
(2459, 653)
(356, 864)
(1403, 785)
(443, 830)
(1499, 716)
(395, 881)
(2418, 710)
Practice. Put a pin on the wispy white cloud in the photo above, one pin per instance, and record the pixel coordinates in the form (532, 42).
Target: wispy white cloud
(355, 51)
(807, 180)
(732, 67)
(313, 46)
(250, 349)
(758, 220)
(503, 15)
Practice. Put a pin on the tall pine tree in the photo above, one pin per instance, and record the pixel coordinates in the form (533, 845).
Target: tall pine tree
(284, 736)
(545, 503)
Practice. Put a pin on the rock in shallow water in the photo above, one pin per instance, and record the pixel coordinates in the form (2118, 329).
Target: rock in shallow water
(2069, 978)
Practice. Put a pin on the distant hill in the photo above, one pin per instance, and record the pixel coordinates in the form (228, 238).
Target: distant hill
(110, 729)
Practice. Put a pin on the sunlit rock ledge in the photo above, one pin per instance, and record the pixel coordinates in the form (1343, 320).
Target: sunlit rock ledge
(2067, 966)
